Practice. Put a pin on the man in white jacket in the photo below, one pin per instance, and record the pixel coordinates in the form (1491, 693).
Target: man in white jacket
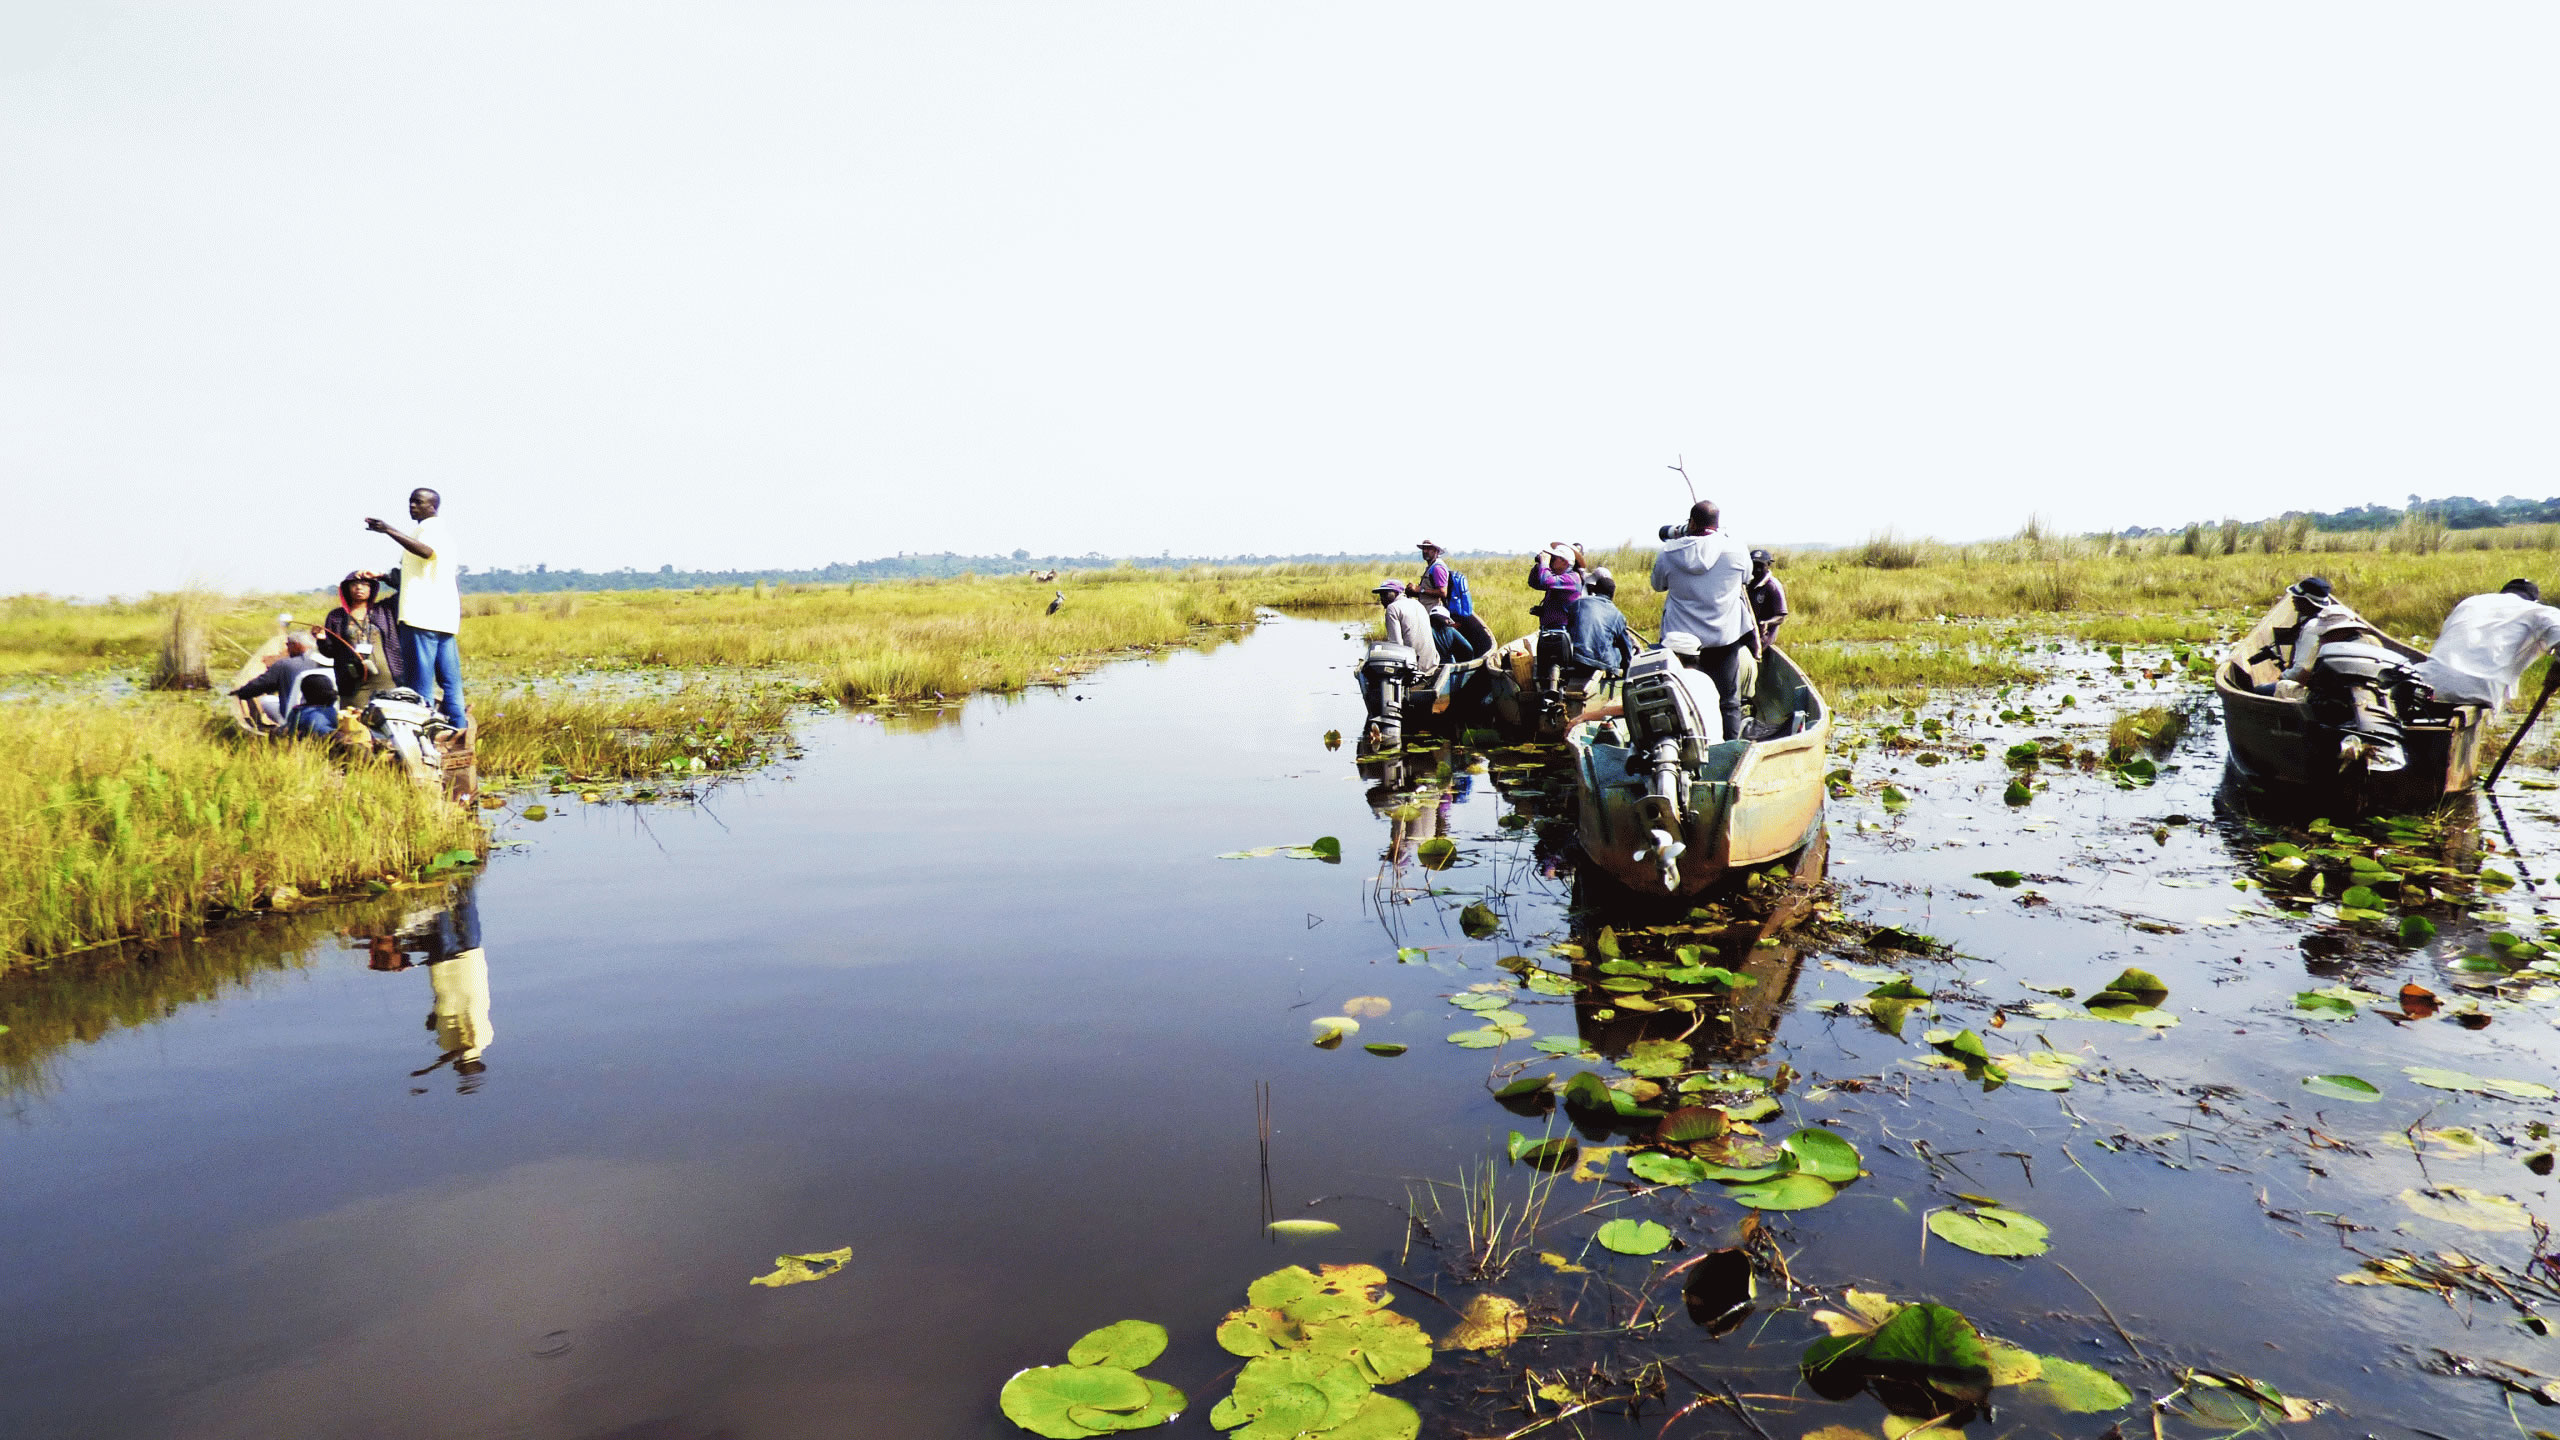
(1702, 573)
(2487, 642)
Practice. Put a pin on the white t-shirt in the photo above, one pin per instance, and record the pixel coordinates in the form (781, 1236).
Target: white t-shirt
(2487, 642)
(431, 590)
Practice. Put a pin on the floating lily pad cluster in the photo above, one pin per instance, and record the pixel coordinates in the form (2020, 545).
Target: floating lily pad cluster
(2134, 997)
(1098, 1391)
(1926, 1361)
(2396, 861)
(1315, 1344)
(1696, 1144)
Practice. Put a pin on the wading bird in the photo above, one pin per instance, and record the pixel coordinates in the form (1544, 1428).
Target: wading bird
(1055, 601)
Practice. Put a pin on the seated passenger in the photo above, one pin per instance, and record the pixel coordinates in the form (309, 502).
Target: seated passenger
(2487, 642)
(1455, 644)
(2322, 617)
(1600, 638)
(277, 690)
(1704, 698)
(316, 715)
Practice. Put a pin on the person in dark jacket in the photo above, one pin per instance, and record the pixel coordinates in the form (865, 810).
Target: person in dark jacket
(278, 690)
(1768, 602)
(316, 716)
(1600, 638)
(1455, 644)
(361, 639)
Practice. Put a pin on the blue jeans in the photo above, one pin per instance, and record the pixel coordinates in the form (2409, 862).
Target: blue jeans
(435, 660)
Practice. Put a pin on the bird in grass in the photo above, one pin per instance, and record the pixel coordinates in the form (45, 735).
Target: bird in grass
(1055, 601)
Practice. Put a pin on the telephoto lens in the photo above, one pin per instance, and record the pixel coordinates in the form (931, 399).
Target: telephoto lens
(1671, 532)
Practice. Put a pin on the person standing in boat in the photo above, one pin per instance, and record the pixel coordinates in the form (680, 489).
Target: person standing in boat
(1445, 586)
(1557, 575)
(1768, 602)
(430, 604)
(1704, 574)
(362, 639)
(2486, 644)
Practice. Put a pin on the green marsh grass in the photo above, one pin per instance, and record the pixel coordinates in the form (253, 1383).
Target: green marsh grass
(148, 818)
(526, 732)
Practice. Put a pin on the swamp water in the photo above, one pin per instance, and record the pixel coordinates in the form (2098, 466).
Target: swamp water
(982, 1004)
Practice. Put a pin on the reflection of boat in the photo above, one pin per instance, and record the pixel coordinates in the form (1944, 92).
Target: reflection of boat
(2355, 736)
(1664, 814)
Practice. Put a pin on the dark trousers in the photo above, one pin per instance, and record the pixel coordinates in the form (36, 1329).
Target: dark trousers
(1723, 665)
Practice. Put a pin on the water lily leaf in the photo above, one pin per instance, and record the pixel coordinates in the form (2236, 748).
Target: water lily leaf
(2080, 1389)
(1784, 1192)
(1326, 848)
(1893, 797)
(1039, 1399)
(2017, 793)
(1380, 1417)
(2360, 897)
(1437, 853)
(1477, 1039)
(2471, 1209)
(1367, 1007)
(2440, 1079)
(1691, 1123)
(1991, 1230)
(1480, 1001)
(1385, 1345)
(1563, 1045)
(2142, 985)
(1129, 1344)
(801, 1269)
(1552, 1154)
(1656, 1059)
(1412, 955)
(2343, 1087)
(1666, 1169)
(1303, 1229)
(1547, 982)
(1163, 1404)
(1634, 1237)
(1255, 1330)
(2009, 1364)
(1823, 1155)
(1279, 1396)
(1626, 984)
(1383, 1047)
(2416, 929)
(1479, 922)
(2324, 1007)
(1328, 1030)
(1933, 1343)
(1760, 1109)
(1489, 1322)
(2005, 879)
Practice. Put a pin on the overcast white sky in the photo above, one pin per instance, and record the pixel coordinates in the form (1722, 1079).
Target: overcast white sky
(772, 285)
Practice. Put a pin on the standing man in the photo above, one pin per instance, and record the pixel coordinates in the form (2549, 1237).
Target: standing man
(1768, 603)
(2487, 642)
(1704, 572)
(430, 604)
(1442, 585)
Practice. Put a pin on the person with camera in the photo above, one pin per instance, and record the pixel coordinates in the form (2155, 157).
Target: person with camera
(1704, 574)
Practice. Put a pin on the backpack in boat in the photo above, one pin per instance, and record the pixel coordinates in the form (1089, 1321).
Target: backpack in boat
(1460, 602)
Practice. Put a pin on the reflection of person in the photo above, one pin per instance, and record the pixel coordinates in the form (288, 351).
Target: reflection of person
(2487, 642)
(430, 604)
(1703, 574)
(361, 638)
(458, 970)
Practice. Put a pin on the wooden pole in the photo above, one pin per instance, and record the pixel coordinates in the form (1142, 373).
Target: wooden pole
(2550, 679)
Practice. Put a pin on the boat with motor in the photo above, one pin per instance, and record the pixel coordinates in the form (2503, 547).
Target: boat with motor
(1667, 809)
(2358, 732)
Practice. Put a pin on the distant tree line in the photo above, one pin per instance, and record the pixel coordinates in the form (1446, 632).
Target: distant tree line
(895, 567)
(2454, 512)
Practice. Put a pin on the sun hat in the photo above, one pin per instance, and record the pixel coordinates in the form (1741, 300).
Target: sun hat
(1681, 642)
(1384, 587)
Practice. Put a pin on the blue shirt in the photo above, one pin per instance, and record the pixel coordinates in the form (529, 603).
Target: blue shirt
(1600, 638)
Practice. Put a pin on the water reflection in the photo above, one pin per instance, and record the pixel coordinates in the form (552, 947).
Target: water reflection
(445, 938)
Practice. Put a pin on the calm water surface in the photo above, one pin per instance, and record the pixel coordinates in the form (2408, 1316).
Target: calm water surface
(983, 1003)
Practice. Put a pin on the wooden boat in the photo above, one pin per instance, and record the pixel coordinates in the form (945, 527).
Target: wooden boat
(2278, 748)
(1747, 802)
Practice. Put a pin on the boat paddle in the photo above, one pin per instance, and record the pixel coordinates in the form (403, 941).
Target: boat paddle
(2550, 679)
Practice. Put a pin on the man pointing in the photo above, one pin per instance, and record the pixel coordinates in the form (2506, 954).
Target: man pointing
(430, 603)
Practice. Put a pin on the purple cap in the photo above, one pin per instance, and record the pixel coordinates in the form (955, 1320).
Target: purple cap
(1385, 587)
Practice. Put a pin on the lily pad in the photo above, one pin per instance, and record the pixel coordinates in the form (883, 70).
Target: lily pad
(2080, 1389)
(1489, 1322)
(1304, 1229)
(801, 1269)
(2324, 1007)
(1386, 1346)
(1634, 1237)
(1383, 1047)
(1991, 1230)
(1690, 1124)
(1823, 1155)
(2440, 1079)
(1478, 922)
(1040, 1399)
(1784, 1192)
(1129, 1344)
(1484, 1039)
(2343, 1087)
(1666, 1169)
(1380, 1417)
(2471, 1209)
(1437, 853)
(1163, 1404)
(2005, 879)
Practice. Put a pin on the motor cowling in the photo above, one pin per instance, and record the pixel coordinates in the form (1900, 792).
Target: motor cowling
(2355, 690)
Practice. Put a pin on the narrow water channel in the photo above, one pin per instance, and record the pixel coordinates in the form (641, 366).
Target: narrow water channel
(983, 1003)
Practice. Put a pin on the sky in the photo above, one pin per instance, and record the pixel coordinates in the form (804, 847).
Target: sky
(770, 285)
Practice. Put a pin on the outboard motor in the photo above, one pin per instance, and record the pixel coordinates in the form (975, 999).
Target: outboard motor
(1387, 678)
(1669, 733)
(1556, 670)
(404, 725)
(2354, 691)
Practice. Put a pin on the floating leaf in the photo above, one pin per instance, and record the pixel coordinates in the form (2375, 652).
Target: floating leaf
(1893, 798)
(1328, 1030)
(1383, 1047)
(1479, 922)
(1552, 1154)
(1255, 1330)
(1991, 1230)
(1039, 1399)
(1666, 1169)
(1691, 1123)
(1367, 1007)
(2416, 929)
(1489, 1322)
(2324, 1007)
(1386, 1346)
(2080, 1389)
(1437, 853)
(801, 1269)
(2439, 1079)
(1634, 1237)
(2344, 1087)
(2471, 1209)
(1784, 1192)
(1327, 849)
(1380, 1417)
(1163, 1404)
(1562, 1045)
(1823, 1155)
(2017, 793)
(1129, 1344)
(1304, 1229)
(2005, 879)
(1477, 1039)
(1412, 955)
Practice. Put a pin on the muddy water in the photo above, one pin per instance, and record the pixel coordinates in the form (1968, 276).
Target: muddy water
(982, 1003)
